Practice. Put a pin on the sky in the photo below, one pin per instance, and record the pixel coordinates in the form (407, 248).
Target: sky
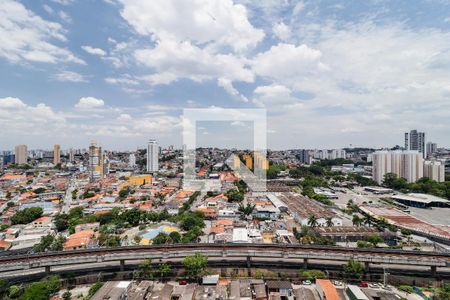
(329, 74)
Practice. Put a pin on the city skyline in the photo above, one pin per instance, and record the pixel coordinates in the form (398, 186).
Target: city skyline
(320, 70)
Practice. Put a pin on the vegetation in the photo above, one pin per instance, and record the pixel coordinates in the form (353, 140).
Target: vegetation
(354, 269)
(195, 264)
(234, 196)
(94, 288)
(308, 236)
(50, 243)
(27, 215)
(274, 170)
(312, 274)
(246, 210)
(187, 205)
(41, 290)
(423, 185)
(443, 293)
(375, 239)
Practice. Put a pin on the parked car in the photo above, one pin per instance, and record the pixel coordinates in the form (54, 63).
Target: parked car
(363, 284)
(337, 283)
(307, 282)
(182, 282)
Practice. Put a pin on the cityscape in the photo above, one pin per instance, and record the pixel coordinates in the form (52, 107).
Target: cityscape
(242, 152)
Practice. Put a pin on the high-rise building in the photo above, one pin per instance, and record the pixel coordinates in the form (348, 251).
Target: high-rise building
(95, 161)
(415, 141)
(304, 157)
(434, 170)
(2, 161)
(152, 156)
(71, 155)
(56, 154)
(406, 164)
(431, 148)
(132, 160)
(21, 154)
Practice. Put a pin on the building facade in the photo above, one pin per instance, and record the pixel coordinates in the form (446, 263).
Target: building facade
(152, 156)
(56, 154)
(405, 164)
(21, 154)
(415, 141)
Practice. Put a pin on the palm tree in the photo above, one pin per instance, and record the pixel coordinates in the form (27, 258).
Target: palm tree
(368, 220)
(356, 220)
(312, 221)
(330, 222)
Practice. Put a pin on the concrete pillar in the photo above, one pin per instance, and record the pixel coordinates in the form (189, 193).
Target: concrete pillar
(249, 266)
(305, 263)
(433, 271)
(122, 265)
(367, 270)
(47, 269)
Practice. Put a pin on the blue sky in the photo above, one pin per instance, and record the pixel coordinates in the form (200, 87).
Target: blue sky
(329, 73)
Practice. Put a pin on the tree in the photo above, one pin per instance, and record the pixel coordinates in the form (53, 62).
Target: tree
(26, 215)
(61, 222)
(312, 221)
(354, 269)
(41, 290)
(234, 196)
(329, 222)
(246, 210)
(66, 295)
(76, 212)
(14, 291)
(195, 264)
(175, 236)
(161, 238)
(163, 270)
(356, 220)
(312, 274)
(375, 239)
(145, 270)
(191, 220)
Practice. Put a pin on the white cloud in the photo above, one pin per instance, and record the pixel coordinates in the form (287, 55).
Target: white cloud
(64, 2)
(287, 61)
(229, 88)
(48, 9)
(89, 102)
(274, 96)
(124, 118)
(125, 79)
(282, 31)
(65, 17)
(69, 76)
(11, 102)
(219, 22)
(94, 51)
(25, 36)
(173, 60)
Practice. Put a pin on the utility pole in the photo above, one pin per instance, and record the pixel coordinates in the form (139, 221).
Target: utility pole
(385, 274)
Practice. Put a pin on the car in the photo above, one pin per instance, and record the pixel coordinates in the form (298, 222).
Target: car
(337, 283)
(296, 282)
(374, 285)
(386, 287)
(306, 282)
(363, 284)
(182, 282)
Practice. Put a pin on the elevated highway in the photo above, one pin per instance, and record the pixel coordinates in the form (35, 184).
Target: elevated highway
(283, 254)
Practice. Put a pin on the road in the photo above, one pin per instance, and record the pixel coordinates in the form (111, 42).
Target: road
(68, 197)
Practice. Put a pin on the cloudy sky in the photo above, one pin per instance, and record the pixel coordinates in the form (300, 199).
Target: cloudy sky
(329, 73)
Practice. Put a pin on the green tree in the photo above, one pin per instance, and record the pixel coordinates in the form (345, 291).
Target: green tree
(61, 222)
(375, 239)
(175, 237)
(41, 290)
(234, 196)
(14, 291)
(354, 269)
(195, 264)
(145, 270)
(161, 238)
(163, 270)
(356, 220)
(312, 274)
(312, 221)
(26, 215)
(246, 210)
(329, 222)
